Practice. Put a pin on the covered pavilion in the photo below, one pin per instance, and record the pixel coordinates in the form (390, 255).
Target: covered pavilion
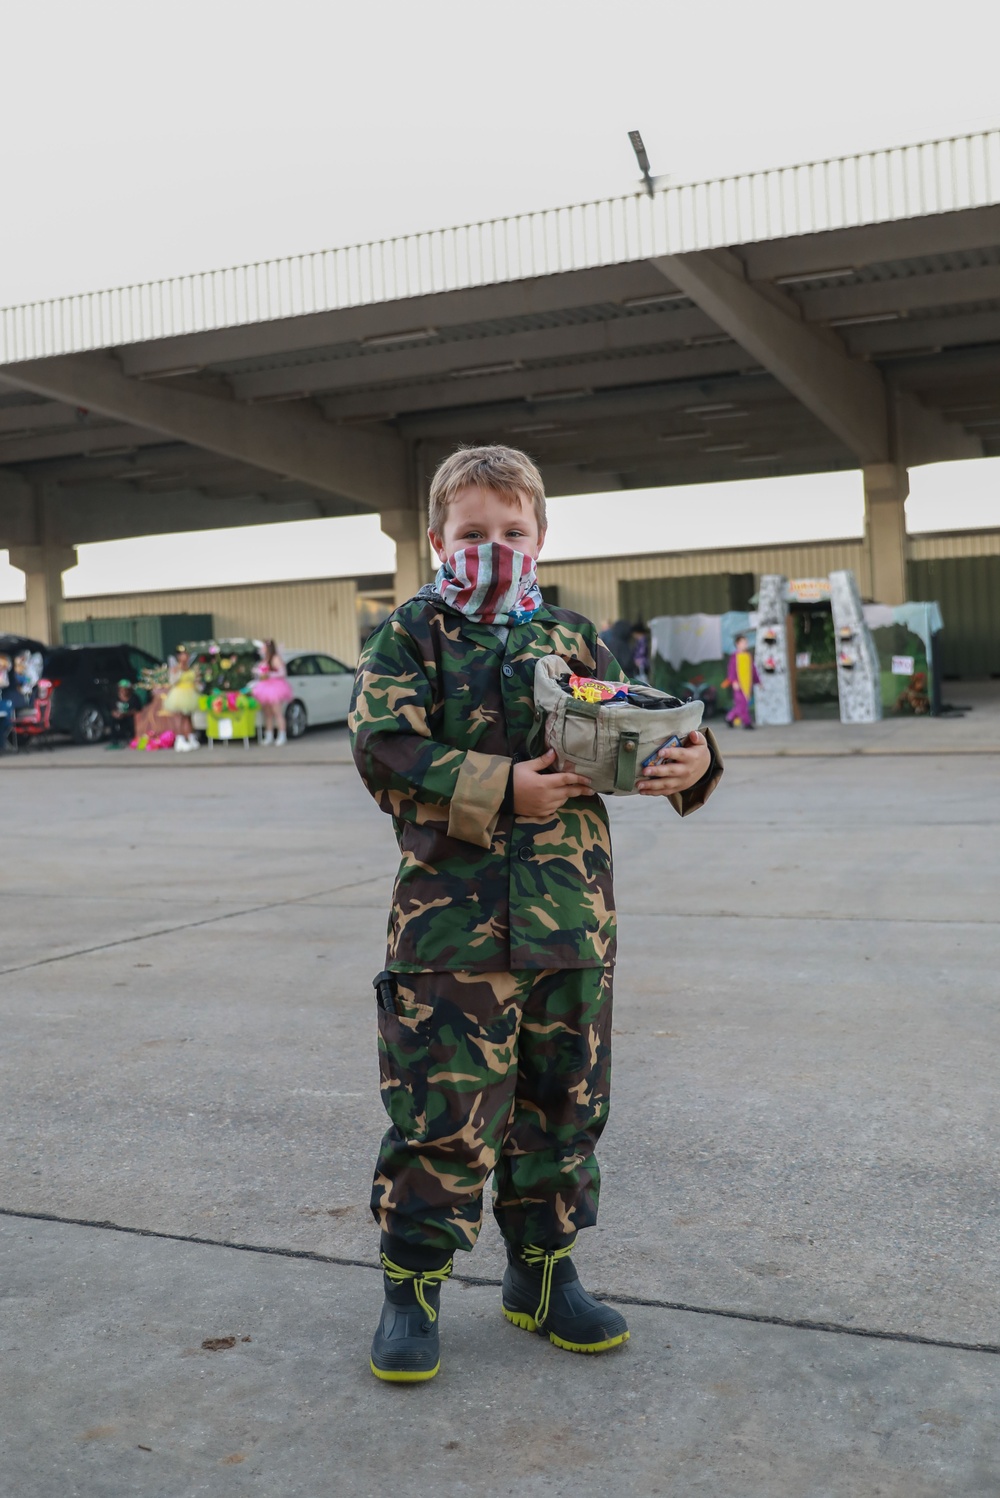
(834, 315)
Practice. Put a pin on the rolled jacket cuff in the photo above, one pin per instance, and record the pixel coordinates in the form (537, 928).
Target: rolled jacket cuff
(478, 797)
(690, 800)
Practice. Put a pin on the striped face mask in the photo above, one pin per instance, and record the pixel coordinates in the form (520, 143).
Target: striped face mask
(490, 584)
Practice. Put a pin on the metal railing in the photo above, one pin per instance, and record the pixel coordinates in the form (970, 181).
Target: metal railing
(879, 186)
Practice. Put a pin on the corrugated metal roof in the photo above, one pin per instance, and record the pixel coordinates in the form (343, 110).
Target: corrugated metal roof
(879, 186)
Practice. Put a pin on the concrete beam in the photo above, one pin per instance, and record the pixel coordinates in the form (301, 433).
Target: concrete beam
(460, 358)
(41, 416)
(946, 288)
(367, 466)
(118, 510)
(17, 510)
(869, 244)
(109, 437)
(849, 398)
(444, 309)
(546, 385)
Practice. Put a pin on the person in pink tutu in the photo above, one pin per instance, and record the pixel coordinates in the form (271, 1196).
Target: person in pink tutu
(272, 691)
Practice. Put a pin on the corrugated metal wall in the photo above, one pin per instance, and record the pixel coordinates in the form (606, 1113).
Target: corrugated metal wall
(591, 587)
(317, 615)
(324, 613)
(968, 590)
(954, 544)
(11, 618)
(712, 593)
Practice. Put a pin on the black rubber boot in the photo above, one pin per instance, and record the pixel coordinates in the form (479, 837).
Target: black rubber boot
(405, 1349)
(542, 1293)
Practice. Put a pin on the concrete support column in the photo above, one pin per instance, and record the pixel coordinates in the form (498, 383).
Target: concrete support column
(886, 488)
(408, 529)
(43, 567)
(406, 523)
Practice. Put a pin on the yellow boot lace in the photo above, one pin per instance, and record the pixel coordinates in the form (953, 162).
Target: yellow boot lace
(545, 1259)
(423, 1279)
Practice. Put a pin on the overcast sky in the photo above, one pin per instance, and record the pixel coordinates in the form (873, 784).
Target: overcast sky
(140, 138)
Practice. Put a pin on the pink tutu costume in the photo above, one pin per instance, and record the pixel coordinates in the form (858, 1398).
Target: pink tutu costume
(271, 687)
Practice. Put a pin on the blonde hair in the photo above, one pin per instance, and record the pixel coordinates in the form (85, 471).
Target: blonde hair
(504, 470)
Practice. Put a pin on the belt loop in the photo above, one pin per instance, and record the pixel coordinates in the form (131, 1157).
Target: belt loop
(628, 758)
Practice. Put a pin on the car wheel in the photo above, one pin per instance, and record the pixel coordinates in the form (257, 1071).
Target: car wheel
(296, 719)
(89, 725)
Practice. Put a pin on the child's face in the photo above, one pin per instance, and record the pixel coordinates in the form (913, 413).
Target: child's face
(476, 517)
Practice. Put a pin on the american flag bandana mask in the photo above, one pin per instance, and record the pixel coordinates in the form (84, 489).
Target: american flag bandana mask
(490, 584)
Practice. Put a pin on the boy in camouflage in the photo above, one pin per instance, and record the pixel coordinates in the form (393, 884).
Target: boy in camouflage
(494, 1012)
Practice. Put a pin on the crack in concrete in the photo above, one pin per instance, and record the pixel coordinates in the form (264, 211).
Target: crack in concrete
(761, 1318)
(229, 915)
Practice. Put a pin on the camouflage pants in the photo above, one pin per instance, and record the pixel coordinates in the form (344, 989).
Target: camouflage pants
(506, 1073)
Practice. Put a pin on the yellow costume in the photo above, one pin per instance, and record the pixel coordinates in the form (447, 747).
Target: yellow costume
(183, 695)
(744, 672)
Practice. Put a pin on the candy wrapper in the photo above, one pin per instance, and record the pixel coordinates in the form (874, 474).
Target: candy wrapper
(589, 689)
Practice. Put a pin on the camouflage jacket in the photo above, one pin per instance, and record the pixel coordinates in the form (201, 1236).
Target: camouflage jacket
(442, 709)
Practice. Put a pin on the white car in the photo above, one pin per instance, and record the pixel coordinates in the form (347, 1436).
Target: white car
(321, 687)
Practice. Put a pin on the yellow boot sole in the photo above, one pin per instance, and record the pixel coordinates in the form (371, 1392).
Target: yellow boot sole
(395, 1376)
(528, 1323)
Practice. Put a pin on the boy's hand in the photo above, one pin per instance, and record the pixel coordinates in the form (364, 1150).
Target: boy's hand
(538, 794)
(678, 768)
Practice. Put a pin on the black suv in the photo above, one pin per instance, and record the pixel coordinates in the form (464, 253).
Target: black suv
(85, 683)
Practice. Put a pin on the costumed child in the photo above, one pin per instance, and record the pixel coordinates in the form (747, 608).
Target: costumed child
(126, 705)
(182, 698)
(272, 691)
(6, 702)
(494, 1009)
(742, 677)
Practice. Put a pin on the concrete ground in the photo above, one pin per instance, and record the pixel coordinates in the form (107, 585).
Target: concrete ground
(800, 1204)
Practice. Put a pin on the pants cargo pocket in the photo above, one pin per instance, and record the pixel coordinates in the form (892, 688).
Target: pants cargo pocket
(404, 1041)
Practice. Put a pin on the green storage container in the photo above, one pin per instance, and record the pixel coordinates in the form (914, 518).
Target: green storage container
(716, 593)
(160, 634)
(967, 589)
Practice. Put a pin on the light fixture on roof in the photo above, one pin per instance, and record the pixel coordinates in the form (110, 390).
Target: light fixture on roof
(682, 436)
(536, 426)
(864, 317)
(170, 374)
(650, 183)
(560, 395)
(800, 278)
(710, 408)
(759, 458)
(726, 447)
(473, 371)
(405, 335)
(654, 299)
